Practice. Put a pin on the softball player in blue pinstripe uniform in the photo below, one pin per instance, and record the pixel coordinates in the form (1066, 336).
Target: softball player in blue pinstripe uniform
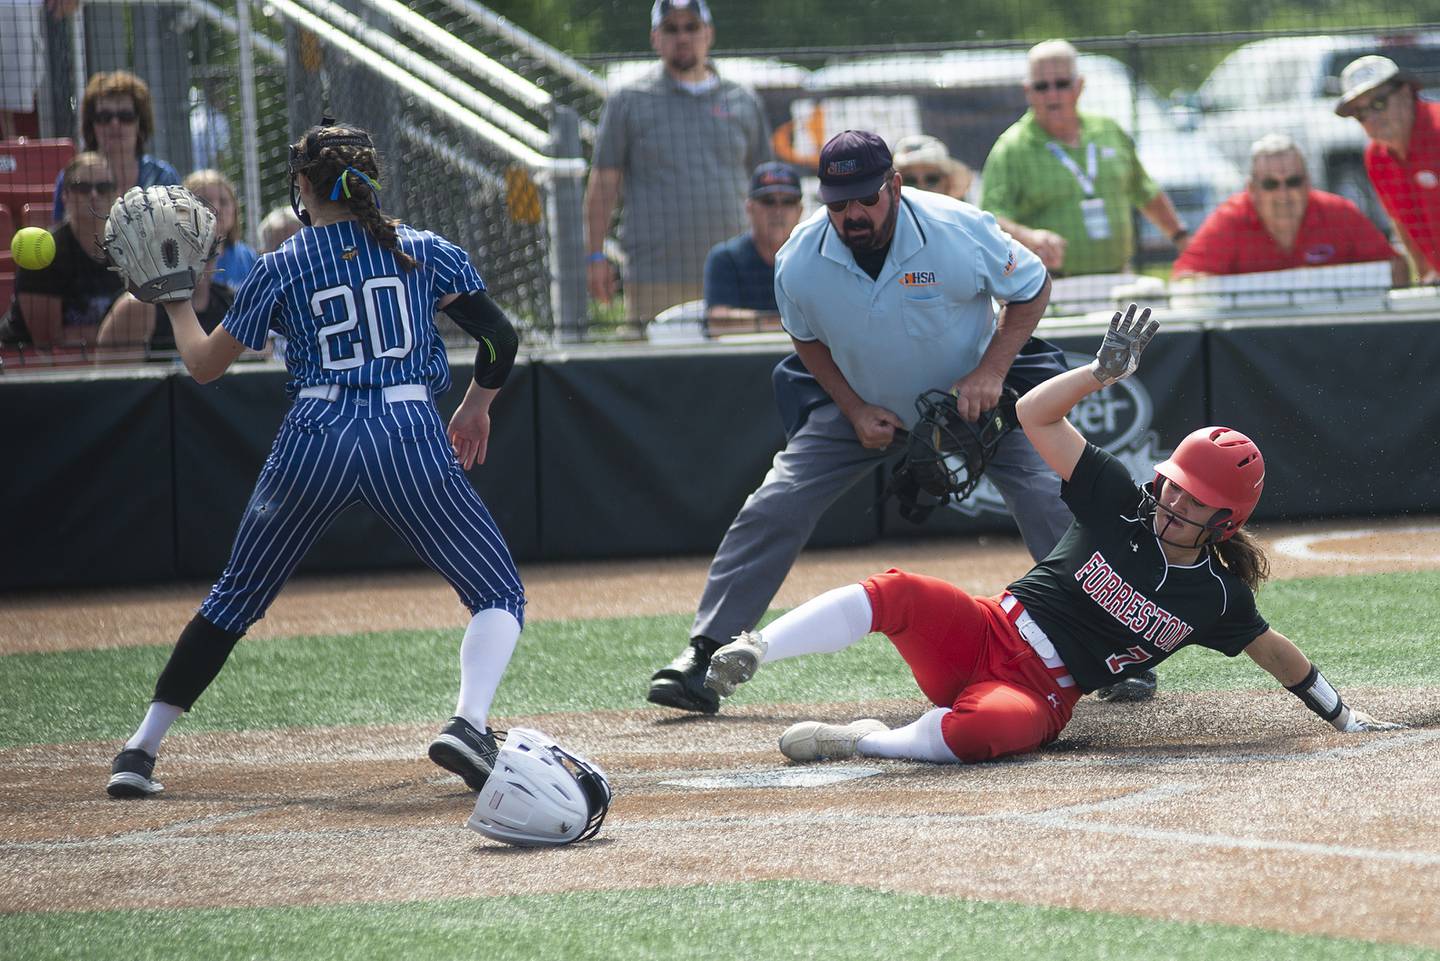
(355, 294)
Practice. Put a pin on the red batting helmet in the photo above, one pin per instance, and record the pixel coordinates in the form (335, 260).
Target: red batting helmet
(1219, 467)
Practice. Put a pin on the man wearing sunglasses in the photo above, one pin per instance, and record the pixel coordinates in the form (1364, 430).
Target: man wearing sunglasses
(1403, 156)
(1280, 222)
(679, 145)
(925, 163)
(1064, 182)
(740, 273)
(886, 292)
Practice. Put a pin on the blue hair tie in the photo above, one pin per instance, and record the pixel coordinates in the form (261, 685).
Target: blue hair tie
(341, 184)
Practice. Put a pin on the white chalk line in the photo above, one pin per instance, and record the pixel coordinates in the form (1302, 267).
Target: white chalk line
(1302, 546)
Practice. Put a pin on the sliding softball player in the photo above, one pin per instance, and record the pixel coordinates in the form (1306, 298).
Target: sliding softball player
(1141, 573)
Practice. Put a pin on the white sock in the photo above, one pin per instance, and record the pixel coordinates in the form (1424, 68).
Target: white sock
(822, 625)
(919, 740)
(484, 655)
(156, 725)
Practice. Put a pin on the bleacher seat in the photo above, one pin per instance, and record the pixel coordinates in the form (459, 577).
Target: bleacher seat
(7, 288)
(28, 169)
(33, 164)
(36, 214)
(7, 226)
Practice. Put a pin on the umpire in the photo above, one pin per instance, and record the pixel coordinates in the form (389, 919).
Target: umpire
(886, 293)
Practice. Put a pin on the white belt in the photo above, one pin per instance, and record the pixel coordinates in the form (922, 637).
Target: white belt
(1035, 637)
(392, 395)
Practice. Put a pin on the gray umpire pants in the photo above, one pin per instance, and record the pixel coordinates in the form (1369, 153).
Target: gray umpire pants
(822, 461)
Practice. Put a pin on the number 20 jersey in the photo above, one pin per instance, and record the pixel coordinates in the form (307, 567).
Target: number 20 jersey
(1107, 598)
(350, 313)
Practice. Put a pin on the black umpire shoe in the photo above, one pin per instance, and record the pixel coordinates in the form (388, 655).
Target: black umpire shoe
(1139, 688)
(681, 683)
(463, 750)
(132, 774)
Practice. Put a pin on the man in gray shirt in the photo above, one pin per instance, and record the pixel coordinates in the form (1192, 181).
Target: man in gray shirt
(679, 144)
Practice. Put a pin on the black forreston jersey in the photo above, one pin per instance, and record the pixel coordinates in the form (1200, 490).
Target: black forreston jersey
(1108, 599)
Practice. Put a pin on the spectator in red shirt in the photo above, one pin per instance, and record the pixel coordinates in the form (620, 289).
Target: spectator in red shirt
(1280, 221)
(1403, 156)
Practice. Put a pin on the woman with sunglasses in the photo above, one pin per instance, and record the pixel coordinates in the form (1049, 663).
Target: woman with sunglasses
(1143, 572)
(1280, 222)
(62, 305)
(117, 119)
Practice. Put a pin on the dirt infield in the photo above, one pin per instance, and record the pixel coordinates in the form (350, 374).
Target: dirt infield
(1223, 807)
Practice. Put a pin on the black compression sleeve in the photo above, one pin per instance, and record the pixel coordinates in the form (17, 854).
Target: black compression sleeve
(197, 658)
(481, 318)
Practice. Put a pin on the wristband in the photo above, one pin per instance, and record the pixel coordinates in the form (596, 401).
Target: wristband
(596, 257)
(1179, 235)
(1319, 696)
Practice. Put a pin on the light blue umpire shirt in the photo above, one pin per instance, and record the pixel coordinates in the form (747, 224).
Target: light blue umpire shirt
(926, 321)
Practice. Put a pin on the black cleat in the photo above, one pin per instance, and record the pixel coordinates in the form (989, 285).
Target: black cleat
(465, 751)
(132, 775)
(681, 683)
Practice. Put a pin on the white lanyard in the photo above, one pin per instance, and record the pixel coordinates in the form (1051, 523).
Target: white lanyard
(1085, 178)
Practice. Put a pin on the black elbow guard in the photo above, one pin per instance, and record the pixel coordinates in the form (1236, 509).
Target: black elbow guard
(480, 317)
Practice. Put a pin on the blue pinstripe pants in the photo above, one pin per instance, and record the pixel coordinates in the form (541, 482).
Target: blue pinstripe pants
(394, 457)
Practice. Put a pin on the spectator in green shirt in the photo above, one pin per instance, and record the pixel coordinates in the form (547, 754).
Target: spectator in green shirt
(1063, 182)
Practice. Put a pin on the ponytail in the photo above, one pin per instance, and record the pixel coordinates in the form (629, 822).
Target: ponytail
(1243, 556)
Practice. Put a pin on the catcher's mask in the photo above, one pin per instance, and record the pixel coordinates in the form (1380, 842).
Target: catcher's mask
(307, 151)
(946, 455)
(1217, 466)
(540, 794)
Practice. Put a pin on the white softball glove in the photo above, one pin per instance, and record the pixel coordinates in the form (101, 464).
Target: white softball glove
(158, 239)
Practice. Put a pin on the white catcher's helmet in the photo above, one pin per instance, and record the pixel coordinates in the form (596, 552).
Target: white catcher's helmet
(540, 794)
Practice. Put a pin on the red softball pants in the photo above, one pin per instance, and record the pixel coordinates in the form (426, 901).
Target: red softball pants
(967, 655)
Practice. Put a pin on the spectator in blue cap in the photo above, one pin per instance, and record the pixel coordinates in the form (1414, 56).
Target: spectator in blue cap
(740, 272)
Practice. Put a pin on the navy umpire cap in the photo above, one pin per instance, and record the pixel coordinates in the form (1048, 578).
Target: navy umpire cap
(853, 164)
(662, 7)
(774, 177)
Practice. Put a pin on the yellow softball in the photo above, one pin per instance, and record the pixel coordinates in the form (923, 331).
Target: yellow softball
(33, 248)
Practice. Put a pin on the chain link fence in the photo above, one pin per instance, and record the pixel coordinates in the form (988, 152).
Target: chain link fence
(487, 132)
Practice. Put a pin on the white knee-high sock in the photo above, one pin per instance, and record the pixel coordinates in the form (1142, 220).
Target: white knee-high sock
(822, 625)
(484, 655)
(920, 740)
(158, 718)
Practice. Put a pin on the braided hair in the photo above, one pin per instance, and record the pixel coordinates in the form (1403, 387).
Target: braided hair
(341, 164)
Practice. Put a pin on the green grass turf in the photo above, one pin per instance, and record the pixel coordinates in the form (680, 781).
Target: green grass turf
(762, 921)
(1374, 630)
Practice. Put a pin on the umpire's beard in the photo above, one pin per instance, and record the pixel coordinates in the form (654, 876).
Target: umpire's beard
(861, 235)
